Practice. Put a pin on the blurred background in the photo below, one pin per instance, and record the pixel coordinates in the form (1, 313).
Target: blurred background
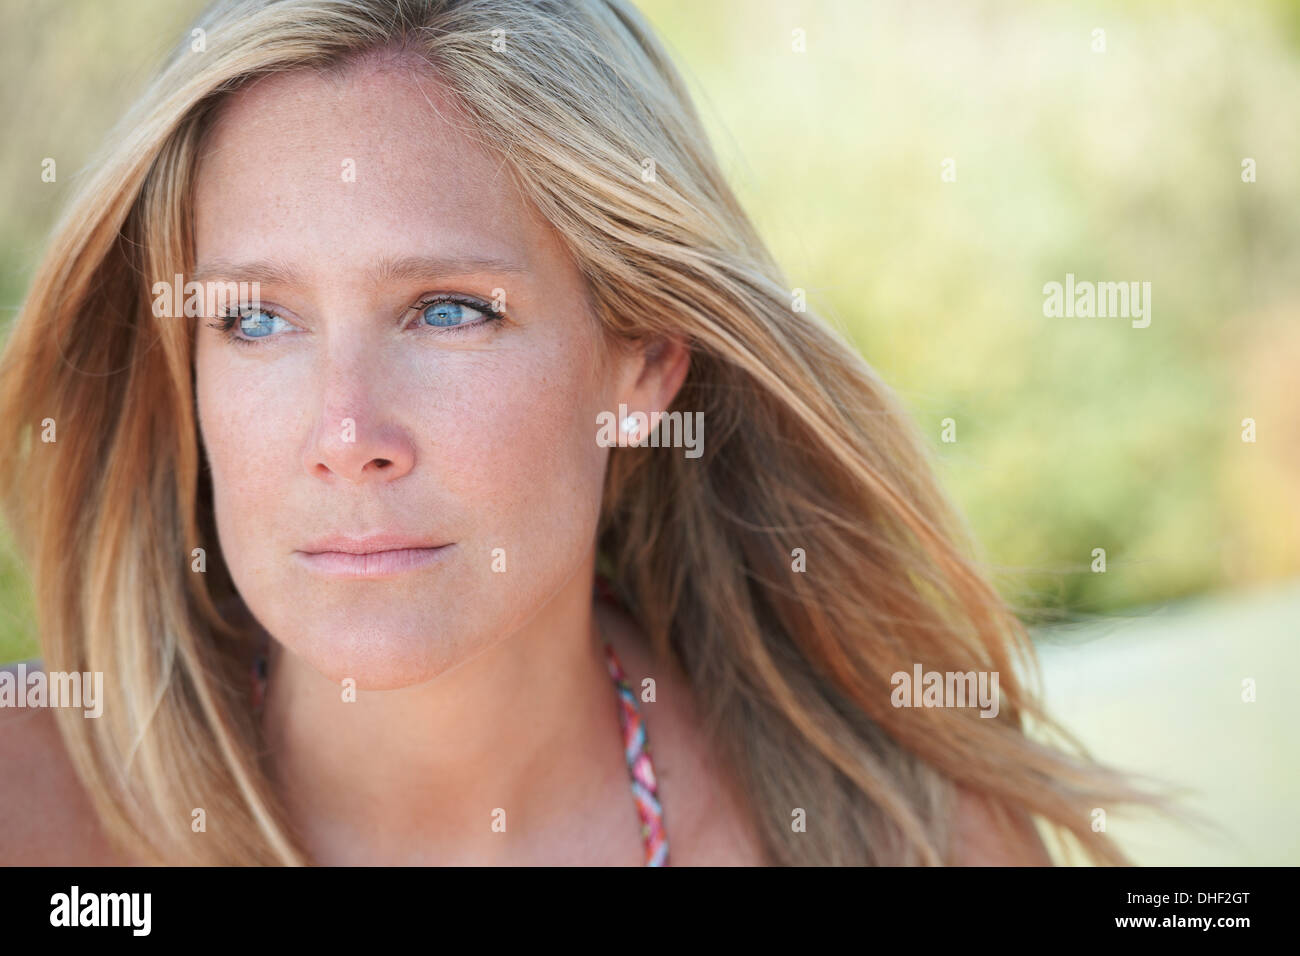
(922, 170)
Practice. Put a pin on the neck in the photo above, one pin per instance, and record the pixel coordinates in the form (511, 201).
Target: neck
(420, 774)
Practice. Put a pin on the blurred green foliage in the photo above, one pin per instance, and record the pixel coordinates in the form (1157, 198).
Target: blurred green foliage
(1122, 165)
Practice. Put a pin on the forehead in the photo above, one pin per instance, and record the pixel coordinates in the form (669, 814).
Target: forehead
(358, 162)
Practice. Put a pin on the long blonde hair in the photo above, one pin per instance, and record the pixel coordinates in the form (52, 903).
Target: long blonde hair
(808, 454)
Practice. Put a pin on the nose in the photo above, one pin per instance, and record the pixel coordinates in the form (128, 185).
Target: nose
(355, 437)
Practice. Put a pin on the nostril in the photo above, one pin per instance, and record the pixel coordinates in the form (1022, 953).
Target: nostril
(382, 463)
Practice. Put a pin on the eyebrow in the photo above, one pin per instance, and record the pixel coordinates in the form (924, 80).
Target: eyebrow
(386, 269)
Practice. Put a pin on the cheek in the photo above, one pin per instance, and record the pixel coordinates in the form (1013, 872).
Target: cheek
(516, 445)
(249, 437)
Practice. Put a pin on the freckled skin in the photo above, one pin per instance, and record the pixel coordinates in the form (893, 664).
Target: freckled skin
(477, 690)
(490, 433)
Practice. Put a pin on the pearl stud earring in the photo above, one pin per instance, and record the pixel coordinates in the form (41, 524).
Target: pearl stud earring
(629, 428)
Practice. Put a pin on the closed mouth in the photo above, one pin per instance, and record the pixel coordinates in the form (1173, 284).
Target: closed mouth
(369, 558)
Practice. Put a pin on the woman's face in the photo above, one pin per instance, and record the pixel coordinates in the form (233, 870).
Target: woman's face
(354, 410)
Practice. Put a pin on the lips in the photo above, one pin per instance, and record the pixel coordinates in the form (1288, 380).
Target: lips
(369, 544)
(371, 556)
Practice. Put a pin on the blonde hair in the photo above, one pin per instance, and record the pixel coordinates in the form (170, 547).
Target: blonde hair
(807, 449)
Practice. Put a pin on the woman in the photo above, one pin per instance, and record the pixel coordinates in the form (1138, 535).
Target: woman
(475, 232)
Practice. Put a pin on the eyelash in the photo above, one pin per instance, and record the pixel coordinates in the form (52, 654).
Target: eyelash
(225, 323)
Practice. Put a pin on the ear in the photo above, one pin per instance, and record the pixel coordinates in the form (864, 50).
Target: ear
(653, 375)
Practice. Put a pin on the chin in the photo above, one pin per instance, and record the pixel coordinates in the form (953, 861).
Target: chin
(384, 651)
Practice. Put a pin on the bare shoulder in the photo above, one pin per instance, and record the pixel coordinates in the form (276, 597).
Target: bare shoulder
(46, 818)
(707, 822)
(981, 838)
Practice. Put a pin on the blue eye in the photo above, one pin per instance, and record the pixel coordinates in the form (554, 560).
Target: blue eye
(447, 313)
(253, 323)
(258, 323)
